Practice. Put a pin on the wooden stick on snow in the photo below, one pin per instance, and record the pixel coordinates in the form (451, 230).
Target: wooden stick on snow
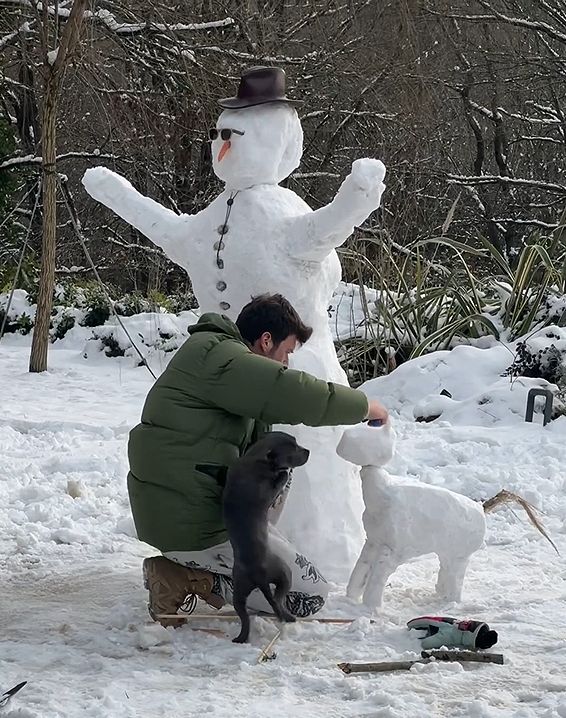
(427, 657)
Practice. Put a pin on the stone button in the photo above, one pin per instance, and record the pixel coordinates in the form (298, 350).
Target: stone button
(224, 306)
(219, 263)
(219, 245)
(221, 286)
(222, 229)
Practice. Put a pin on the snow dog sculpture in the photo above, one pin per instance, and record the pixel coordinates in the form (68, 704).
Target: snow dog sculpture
(404, 519)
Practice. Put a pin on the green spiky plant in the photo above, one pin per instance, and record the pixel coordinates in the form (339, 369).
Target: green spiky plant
(430, 298)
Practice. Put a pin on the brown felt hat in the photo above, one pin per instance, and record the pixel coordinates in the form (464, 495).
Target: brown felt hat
(258, 86)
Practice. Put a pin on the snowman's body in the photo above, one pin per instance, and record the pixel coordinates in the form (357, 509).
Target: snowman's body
(308, 285)
(272, 242)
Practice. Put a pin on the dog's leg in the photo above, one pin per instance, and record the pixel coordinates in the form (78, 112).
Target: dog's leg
(383, 565)
(265, 588)
(451, 576)
(242, 589)
(282, 581)
(360, 574)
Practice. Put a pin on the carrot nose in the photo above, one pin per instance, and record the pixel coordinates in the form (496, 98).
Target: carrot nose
(225, 147)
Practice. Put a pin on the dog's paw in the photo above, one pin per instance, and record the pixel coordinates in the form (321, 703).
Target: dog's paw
(240, 639)
(288, 617)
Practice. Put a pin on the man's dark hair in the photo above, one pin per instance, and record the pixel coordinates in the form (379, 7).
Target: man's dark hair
(274, 314)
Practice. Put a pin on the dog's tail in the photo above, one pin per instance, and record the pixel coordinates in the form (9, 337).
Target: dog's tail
(508, 497)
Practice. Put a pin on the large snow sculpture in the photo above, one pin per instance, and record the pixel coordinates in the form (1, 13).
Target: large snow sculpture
(405, 519)
(258, 237)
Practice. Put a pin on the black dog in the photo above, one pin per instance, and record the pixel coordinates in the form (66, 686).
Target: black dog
(252, 485)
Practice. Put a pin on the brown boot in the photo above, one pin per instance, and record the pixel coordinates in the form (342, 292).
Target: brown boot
(169, 584)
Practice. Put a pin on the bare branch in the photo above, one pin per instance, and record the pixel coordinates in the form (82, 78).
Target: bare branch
(498, 179)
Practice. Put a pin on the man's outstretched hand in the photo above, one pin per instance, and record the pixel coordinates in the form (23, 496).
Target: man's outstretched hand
(377, 412)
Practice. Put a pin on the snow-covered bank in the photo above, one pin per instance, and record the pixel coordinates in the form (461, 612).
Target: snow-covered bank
(72, 606)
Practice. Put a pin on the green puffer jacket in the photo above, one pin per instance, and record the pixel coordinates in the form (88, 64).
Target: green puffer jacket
(214, 399)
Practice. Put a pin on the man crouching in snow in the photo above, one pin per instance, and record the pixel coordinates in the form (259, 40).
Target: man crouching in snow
(221, 391)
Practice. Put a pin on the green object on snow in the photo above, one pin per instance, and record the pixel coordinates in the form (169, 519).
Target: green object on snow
(453, 633)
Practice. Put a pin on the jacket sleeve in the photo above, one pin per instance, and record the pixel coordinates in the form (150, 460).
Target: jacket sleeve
(250, 385)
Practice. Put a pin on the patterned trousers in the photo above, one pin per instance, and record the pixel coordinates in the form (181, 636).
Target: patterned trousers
(309, 588)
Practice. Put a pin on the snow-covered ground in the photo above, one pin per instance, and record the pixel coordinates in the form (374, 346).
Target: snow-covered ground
(72, 605)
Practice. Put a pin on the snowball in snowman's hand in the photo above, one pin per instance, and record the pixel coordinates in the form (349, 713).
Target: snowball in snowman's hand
(101, 183)
(366, 179)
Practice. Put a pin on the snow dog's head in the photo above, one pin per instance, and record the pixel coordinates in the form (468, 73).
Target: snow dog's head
(366, 445)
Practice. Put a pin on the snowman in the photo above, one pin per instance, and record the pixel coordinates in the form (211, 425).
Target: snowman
(257, 237)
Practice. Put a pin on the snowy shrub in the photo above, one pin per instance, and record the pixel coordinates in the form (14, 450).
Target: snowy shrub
(22, 324)
(552, 310)
(111, 346)
(96, 305)
(21, 314)
(132, 304)
(62, 325)
(158, 300)
(541, 355)
(181, 302)
(105, 339)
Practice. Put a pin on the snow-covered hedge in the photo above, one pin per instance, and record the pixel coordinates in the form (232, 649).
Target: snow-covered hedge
(82, 318)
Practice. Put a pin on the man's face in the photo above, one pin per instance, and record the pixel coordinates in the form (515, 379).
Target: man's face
(266, 347)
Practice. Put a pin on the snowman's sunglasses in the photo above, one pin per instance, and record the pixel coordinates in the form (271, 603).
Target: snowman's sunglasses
(225, 134)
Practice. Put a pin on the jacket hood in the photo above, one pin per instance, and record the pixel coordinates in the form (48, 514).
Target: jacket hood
(217, 323)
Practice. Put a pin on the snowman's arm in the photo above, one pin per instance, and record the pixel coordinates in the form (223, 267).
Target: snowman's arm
(159, 224)
(313, 235)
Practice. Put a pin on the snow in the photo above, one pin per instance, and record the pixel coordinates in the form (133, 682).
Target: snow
(72, 604)
(52, 56)
(273, 243)
(472, 376)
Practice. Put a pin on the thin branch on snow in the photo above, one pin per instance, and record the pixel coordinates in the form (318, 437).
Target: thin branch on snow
(536, 25)
(535, 222)
(7, 39)
(123, 28)
(238, 55)
(361, 113)
(310, 175)
(36, 160)
(495, 179)
(142, 247)
(533, 120)
(537, 138)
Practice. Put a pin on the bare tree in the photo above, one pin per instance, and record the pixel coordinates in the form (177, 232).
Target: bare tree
(459, 98)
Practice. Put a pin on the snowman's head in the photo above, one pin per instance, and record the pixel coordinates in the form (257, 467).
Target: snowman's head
(267, 151)
(366, 445)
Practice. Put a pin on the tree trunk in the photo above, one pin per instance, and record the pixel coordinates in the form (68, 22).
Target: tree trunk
(40, 342)
(53, 68)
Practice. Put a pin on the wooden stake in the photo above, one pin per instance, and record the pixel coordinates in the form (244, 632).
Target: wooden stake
(231, 616)
(427, 657)
(464, 656)
(266, 654)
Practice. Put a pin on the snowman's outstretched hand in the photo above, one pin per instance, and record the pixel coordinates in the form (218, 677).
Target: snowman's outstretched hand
(316, 234)
(165, 228)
